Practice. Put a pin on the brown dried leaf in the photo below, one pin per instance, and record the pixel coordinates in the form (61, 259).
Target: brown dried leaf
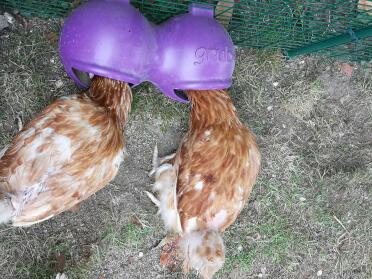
(51, 37)
(130, 259)
(346, 69)
(60, 262)
(86, 251)
(136, 221)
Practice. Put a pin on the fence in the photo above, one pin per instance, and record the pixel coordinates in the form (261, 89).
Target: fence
(338, 28)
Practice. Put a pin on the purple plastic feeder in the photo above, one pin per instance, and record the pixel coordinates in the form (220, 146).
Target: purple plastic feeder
(194, 52)
(107, 38)
(113, 39)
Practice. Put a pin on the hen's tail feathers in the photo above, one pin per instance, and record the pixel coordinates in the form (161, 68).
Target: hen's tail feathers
(168, 254)
(155, 161)
(167, 159)
(153, 198)
(203, 251)
(6, 210)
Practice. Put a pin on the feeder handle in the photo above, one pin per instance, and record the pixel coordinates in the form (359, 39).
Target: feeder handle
(199, 9)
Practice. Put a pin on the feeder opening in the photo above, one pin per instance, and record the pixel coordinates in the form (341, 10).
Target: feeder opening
(83, 77)
(181, 94)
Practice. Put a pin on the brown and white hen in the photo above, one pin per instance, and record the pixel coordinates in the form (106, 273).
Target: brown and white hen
(204, 186)
(72, 149)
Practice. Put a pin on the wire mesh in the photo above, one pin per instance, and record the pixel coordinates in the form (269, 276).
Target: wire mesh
(275, 24)
(49, 8)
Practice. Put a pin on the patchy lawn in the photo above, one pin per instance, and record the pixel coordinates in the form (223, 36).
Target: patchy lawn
(308, 216)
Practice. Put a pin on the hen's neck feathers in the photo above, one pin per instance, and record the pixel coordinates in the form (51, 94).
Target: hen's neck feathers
(114, 95)
(211, 107)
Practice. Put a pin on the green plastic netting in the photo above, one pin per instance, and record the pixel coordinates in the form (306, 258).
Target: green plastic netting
(338, 28)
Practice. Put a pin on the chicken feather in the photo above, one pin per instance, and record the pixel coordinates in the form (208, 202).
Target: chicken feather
(216, 167)
(69, 151)
(217, 163)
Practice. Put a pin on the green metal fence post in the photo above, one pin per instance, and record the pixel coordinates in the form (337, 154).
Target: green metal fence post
(332, 42)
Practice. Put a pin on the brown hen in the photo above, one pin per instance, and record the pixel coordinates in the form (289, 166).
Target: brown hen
(69, 151)
(202, 190)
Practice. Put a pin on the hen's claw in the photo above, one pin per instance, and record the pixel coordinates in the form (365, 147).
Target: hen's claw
(155, 161)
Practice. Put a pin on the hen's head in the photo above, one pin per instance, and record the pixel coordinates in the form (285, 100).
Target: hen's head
(114, 95)
(203, 251)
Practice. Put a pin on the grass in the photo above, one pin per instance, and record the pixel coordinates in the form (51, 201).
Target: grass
(147, 99)
(272, 242)
(300, 106)
(297, 202)
(272, 58)
(36, 267)
(33, 271)
(277, 239)
(129, 234)
(134, 234)
(241, 259)
(309, 211)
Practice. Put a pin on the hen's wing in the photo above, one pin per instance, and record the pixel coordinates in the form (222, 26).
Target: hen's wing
(68, 152)
(217, 168)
